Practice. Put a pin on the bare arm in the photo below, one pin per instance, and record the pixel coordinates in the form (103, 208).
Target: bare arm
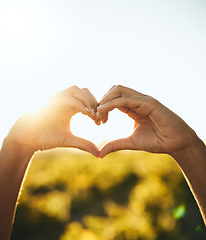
(192, 162)
(41, 131)
(157, 129)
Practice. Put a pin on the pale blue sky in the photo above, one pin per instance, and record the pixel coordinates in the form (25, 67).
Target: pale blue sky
(155, 47)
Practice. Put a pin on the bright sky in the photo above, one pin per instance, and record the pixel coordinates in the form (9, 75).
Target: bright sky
(156, 47)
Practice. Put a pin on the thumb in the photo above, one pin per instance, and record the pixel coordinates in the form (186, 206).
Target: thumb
(115, 145)
(81, 143)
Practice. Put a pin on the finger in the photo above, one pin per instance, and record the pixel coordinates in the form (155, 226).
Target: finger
(83, 96)
(101, 118)
(108, 91)
(93, 100)
(65, 107)
(82, 144)
(138, 104)
(116, 145)
(105, 118)
(97, 120)
(121, 103)
(118, 91)
(95, 105)
(132, 114)
(78, 93)
(124, 110)
(70, 106)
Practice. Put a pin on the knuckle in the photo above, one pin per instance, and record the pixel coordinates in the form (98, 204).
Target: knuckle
(119, 87)
(151, 100)
(74, 87)
(85, 89)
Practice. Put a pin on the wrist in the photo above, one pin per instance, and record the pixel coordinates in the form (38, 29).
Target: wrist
(193, 156)
(192, 162)
(15, 155)
(13, 165)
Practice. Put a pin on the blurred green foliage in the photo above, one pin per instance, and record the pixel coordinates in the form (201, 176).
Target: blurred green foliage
(125, 196)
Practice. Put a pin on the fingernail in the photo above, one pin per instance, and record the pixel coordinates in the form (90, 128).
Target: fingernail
(87, 109)
(104, 121)
(100, 106)
(97, 115)
(93, 112)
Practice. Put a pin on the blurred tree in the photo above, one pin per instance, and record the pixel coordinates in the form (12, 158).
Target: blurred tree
(126, 196)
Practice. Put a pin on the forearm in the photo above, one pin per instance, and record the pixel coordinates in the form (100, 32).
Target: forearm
(13, 165)
(193, 164)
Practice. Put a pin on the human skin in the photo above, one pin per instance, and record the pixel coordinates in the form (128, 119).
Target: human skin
(158, 130)
(47, 129)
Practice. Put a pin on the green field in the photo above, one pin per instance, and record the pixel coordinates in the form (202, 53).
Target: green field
(125, 196)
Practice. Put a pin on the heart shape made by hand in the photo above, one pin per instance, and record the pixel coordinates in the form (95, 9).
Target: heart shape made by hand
(118, 126)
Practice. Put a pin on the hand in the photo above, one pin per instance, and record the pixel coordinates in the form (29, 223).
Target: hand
(50, 127)
(156, 128)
